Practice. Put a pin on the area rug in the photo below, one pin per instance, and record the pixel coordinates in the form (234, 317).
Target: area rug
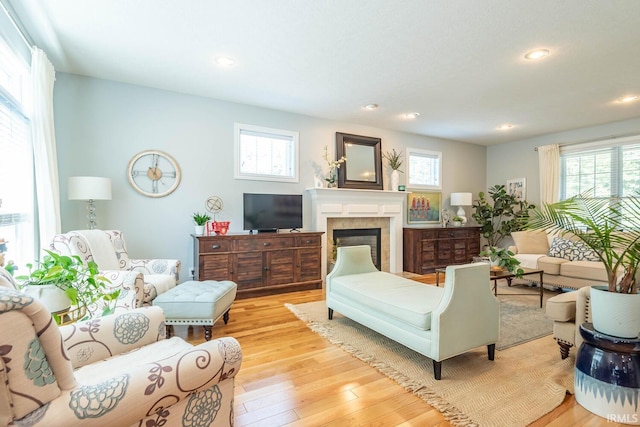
(522, 384)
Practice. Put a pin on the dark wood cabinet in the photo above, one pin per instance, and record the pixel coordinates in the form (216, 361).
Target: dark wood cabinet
(261, 264)
(425, 249)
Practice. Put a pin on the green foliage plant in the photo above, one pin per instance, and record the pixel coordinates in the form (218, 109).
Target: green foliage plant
(500, 214)
(200, 219)
(609, 227)
(503, 258)
(82, 283)
(394, 158)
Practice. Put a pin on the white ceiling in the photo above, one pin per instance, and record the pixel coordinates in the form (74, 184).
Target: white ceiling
(459, 63)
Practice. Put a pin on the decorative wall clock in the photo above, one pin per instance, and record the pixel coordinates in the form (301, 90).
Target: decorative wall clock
(153, 173)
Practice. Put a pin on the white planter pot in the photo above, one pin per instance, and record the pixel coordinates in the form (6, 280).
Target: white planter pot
(199, 230)
(395, 180)
(615, 314)
(52, 297)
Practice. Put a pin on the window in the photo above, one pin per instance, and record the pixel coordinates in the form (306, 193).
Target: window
(265, 154)
(608, 168)
(16, 161)
(425, 169)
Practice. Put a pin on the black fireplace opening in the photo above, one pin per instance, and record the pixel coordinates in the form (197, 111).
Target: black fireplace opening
(360, 236)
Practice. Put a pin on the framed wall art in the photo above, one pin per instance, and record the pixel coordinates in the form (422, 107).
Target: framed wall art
(424, 207)
(517, 187)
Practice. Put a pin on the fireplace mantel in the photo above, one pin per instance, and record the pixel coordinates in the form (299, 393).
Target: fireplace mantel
(349, 203)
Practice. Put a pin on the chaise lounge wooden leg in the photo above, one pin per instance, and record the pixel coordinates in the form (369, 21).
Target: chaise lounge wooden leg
(225, 317)
(437, 370)
(491, 350)
(331, 314)
(168, 330)
(564, 349)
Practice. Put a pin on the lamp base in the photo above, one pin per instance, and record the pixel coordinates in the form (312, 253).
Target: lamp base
(462, 214)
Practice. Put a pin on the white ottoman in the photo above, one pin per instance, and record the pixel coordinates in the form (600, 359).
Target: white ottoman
(197, 303)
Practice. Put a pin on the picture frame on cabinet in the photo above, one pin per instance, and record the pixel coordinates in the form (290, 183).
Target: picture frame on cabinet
(424, 207)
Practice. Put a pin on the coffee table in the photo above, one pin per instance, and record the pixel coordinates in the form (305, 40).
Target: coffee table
(495, 276)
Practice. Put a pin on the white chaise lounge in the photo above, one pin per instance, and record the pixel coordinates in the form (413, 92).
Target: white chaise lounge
(437, 322)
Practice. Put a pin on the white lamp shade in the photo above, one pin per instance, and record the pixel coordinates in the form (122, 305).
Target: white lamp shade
(89, 188)
(461, 199)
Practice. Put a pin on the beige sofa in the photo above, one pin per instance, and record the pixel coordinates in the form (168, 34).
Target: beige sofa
(566, 263)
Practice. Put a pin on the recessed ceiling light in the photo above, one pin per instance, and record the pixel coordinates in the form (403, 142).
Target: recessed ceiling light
(225, 61)
(370, 107)
(537, 54)
(411, 115)
(629, 98)
(505, 126)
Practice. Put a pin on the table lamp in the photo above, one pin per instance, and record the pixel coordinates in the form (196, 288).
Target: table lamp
(89, 188)
(460, 200)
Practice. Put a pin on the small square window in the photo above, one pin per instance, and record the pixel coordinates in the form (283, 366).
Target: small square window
(425, 169)
(266, 154)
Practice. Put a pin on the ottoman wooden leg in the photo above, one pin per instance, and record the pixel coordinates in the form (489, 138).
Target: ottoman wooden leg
(207, 332)
(225, 316)
(564, 349)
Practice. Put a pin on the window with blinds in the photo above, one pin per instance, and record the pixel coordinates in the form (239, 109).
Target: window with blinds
(607, 169)
(265, 154)
(16, 161)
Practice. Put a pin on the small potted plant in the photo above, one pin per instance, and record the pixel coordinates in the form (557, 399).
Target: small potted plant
(200, 221)
(62, 282)
(457, 221)
(333, 166)
(395, 161)
(502, 259)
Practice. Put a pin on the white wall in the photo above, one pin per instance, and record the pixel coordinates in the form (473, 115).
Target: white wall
(101, 124)
(519, 159)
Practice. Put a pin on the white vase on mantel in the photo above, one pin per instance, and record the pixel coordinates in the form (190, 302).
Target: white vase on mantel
(395, 180)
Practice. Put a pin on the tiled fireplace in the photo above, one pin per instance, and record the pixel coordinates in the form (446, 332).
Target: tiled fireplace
(342, 208)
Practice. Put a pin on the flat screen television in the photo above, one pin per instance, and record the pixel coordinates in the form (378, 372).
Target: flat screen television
(269, 212)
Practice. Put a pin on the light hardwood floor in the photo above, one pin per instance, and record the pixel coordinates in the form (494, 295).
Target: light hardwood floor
(292, 376)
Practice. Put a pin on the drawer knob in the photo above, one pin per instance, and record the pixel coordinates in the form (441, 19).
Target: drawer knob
(309, 241)
(215, 247)
(266, 243)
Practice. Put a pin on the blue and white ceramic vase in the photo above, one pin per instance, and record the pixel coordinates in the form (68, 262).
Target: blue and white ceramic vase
(607, 376)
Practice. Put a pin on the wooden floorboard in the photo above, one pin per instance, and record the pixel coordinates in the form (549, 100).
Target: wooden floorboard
(291, 376)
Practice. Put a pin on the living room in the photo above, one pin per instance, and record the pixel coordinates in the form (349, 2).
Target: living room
(103, 119)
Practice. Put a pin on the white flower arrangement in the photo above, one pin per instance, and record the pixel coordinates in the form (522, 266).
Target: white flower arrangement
(333, 166)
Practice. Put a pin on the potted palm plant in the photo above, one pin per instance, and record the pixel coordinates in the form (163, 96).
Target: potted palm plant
(62, 282)
(604, 379)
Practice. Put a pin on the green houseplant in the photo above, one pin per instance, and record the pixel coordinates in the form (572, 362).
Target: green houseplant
(609, 228)
(201, 219)
(81, 283)
(395, 161)
(500, 214)
(502, 257)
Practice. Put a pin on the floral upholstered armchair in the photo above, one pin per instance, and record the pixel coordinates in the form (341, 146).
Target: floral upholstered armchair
(117, 370)
(107, 248)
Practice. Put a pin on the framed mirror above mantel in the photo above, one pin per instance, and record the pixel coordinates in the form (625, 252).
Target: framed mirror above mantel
(363, 168)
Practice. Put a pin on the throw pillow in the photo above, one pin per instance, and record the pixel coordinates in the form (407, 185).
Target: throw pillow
(582, 252)
(561, 248)
(531, 242)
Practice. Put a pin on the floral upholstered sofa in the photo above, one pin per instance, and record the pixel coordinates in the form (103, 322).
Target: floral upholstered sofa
(116, 370)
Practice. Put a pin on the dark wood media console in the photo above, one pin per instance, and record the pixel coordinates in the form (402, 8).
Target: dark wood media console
(261, 264)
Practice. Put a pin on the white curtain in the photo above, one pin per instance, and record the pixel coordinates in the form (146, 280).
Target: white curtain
(549, 166)
(44, 147)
